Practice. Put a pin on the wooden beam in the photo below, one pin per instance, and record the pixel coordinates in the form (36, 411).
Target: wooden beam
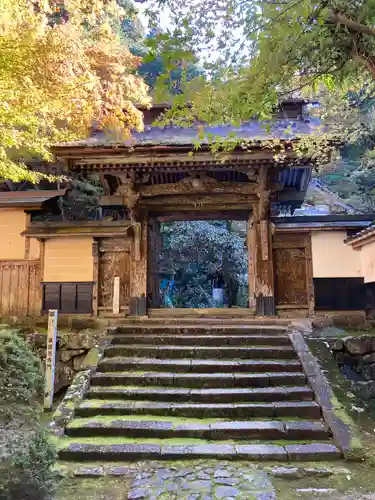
(103, 158)
(95, 277)
(184, 188)
(240, 215)
(111, 200)
(200, 201)
(27, 240)
(42, 258)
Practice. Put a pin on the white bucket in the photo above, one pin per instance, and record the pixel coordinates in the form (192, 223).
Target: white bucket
(218, 296)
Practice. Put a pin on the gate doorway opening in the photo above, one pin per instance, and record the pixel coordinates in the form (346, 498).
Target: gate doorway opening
(198, 264)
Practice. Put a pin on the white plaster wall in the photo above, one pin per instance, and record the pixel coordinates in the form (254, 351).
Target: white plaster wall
(367, 254)
(332, 258)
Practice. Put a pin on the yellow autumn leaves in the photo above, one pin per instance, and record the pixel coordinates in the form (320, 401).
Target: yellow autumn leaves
(62, 67)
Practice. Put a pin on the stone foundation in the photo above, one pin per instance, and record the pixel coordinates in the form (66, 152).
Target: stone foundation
(356, 356)
(72, 350)
(339, 319)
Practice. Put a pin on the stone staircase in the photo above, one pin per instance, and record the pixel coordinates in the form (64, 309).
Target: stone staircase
(191, 391)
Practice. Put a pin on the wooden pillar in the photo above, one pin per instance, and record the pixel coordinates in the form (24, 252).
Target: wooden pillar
(95, 277)
(260, 238)
(251, 253)
(155, 246)
(138, 286)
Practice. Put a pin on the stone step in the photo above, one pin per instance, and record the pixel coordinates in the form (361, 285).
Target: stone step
(205, 352)
(300, 409)
(208, 328)
(103, 426)
(202, 340)
(188, 380)
(164, 449)
(271, 394)
(184, 365)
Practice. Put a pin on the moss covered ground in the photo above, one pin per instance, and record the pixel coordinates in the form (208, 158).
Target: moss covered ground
(106, 488)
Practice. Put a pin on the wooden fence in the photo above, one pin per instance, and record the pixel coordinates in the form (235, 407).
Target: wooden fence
(20, 293)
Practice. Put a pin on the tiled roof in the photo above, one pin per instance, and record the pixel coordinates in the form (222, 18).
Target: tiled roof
(325, 221)
(27, 198)
(361, 234)
(252, 130)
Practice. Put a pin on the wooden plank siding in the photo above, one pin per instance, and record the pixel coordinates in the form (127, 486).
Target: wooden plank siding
(294, 287)
(70, 298)
(20, 288)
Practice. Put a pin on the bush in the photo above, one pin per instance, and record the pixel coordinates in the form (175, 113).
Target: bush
(26, 468)
(26, 454)
(21, 377)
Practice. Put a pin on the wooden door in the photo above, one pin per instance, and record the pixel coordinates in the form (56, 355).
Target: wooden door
(293, 271)
(114, 260)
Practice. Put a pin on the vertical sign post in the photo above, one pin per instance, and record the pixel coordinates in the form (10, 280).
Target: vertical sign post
(50, 359)
(116, 295)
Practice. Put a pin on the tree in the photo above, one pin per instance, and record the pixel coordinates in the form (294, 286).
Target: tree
(62, 67)
(199, 251)
(352, 116)
(257, 52)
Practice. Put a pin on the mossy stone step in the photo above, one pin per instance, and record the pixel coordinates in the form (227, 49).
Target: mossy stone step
(205, 339)
(195, 365)
(172, 450)
(191, 380)
(178, 351)
(184, 429)
(269, 394)
(300, 409)
(208, 327)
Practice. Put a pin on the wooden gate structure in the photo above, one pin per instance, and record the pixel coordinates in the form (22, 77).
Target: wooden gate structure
(20, 288)
(163, 177)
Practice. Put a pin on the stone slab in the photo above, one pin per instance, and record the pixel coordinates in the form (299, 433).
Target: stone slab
(307, 430)
(261, 452)
(247, 430)
(315, 451)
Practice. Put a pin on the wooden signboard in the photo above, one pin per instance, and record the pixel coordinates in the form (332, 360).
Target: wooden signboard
(263, 226)
(50, 359)
(116, 295)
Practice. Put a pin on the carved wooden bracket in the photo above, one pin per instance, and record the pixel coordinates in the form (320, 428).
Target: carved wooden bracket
(130, 195)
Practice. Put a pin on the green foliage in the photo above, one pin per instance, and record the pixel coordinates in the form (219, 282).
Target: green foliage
(26, 454)
(253, 50)
(25, 473)
(196, 252)
(21, 378)
(257, 53)
(352, 117)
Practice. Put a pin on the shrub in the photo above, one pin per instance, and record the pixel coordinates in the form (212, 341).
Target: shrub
(26, 454)
(21, 378)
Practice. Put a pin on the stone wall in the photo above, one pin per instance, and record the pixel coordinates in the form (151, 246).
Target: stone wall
(73, 348)
(356, 357)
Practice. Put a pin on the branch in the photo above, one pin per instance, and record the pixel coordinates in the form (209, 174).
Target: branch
(339, 18)
(366, 61)
(262, 26)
